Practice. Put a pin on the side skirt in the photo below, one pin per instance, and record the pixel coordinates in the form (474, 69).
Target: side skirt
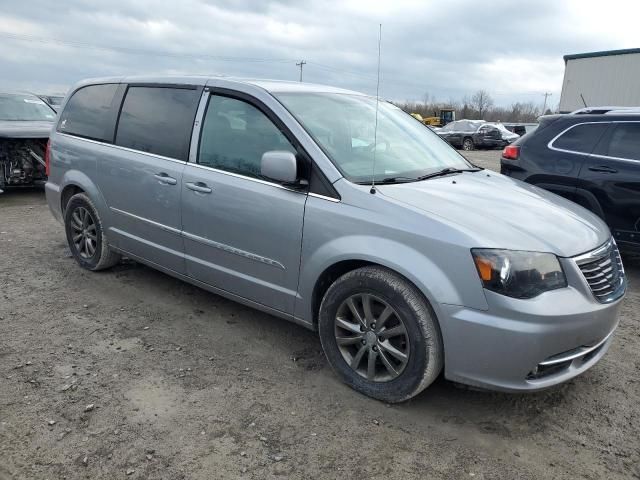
(217, 291)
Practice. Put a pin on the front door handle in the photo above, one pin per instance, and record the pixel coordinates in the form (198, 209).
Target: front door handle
(603, 169)
(164, 178)
(198, 187)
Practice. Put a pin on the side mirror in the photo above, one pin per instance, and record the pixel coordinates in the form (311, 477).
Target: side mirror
(279, 165)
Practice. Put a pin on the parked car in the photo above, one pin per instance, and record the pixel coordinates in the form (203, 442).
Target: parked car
(25, 123)
(264, 192)
(590, 158)
(520, 128)
(472, 134)
(54, 101)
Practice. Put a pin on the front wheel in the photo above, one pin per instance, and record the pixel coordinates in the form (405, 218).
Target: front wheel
(85, 235)
(380, 335)
(467, 144)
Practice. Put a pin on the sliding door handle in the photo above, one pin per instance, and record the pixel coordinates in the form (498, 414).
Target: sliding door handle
(164, 178)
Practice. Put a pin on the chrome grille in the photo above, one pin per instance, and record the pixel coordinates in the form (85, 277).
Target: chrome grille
(603, 270)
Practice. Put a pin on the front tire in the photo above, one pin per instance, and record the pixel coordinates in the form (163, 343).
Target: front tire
(380, 334)
(468, 145)
(85, 235)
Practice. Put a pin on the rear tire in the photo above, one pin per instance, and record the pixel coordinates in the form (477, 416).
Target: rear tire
(468, 145)
(394, 359)
(85, 235)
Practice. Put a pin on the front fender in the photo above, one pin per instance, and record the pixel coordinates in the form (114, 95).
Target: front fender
(434, 281)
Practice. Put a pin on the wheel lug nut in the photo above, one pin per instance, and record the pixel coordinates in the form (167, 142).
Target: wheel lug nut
(375, 349)
(364, 342)
(373, 326)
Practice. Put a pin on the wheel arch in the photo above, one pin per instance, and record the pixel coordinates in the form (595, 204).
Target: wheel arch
(75, 181)
(414, 267)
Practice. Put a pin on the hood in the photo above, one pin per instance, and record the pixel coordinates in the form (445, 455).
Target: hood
(495, 211)
(15, 129)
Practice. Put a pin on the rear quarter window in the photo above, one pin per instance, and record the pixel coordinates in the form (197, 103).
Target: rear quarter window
(158, 120)
(89, 113)
(581, 138)
(623, 142)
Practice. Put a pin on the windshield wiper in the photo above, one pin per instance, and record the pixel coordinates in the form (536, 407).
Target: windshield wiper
(399, 179)
(389, 180)
(447, 171)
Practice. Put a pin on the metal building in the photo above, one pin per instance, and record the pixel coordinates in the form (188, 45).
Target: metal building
(610, 78)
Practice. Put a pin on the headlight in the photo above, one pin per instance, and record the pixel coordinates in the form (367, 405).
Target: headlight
(518, 274)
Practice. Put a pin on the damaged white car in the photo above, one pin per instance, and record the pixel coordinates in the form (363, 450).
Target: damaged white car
(25, 123)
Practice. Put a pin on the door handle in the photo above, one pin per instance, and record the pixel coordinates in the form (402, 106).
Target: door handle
(198, 187)
(603, 169)
(164, 178)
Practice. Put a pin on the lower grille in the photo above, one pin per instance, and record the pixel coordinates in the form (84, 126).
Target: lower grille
(561, 362)
(604, 272)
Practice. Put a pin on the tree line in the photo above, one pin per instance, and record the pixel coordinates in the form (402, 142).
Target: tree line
(479, 106)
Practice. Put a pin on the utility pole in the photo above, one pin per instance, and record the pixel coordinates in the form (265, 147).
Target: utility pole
(544, 108)
(301, 64)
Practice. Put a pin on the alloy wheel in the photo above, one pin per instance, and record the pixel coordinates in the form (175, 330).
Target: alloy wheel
(83, 232)
(372, 337)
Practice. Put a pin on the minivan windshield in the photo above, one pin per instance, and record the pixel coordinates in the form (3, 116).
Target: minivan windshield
(344, 127)
(24, 108)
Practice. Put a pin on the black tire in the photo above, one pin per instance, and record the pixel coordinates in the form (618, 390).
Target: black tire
(101, 256)
(425, 350)
(468, 145)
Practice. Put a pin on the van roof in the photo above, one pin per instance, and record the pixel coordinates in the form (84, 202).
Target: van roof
(272, 86)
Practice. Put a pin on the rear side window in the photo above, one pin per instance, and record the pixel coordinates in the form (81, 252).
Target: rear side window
(158, 120)
(89, 113)
(624, 142)
(581, 138)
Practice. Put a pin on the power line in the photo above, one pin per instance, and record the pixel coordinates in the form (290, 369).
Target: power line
(138, 51)
(301, 64)
(159, 53)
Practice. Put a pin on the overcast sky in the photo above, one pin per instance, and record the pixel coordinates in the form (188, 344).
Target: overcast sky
(446, 48)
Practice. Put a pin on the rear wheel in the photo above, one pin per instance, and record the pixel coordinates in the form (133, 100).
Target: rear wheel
(467, 144)
(85, 235)
(380, 335)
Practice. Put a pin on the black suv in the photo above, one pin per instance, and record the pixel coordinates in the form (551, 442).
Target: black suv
(592, 157)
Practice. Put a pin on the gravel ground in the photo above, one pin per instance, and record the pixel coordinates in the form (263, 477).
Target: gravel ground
(130, 373)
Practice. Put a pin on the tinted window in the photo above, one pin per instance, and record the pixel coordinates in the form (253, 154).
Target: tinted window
(88, 113)
(235, 134)
(625, 141)
(158, 120)
(581, 138)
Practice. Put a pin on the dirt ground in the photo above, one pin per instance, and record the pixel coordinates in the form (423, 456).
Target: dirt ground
(130, 373)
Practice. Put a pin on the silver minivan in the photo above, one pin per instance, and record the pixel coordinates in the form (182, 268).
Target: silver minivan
(317, 205)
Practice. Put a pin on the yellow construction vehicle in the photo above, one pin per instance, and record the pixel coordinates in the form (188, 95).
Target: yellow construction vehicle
(439, 119)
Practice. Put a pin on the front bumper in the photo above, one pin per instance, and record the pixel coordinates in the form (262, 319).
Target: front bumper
(528, 345)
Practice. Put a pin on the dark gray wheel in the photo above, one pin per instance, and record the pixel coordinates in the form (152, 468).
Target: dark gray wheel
(83, 228)
(85, 235)
(372, 337)
(467, 144)
(380, 334)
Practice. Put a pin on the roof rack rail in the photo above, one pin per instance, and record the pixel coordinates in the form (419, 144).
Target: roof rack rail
(604, 110)
(625, 111)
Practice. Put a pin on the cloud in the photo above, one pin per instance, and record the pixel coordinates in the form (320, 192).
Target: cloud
(448, 49)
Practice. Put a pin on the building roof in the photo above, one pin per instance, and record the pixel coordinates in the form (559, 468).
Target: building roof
(604, 53)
